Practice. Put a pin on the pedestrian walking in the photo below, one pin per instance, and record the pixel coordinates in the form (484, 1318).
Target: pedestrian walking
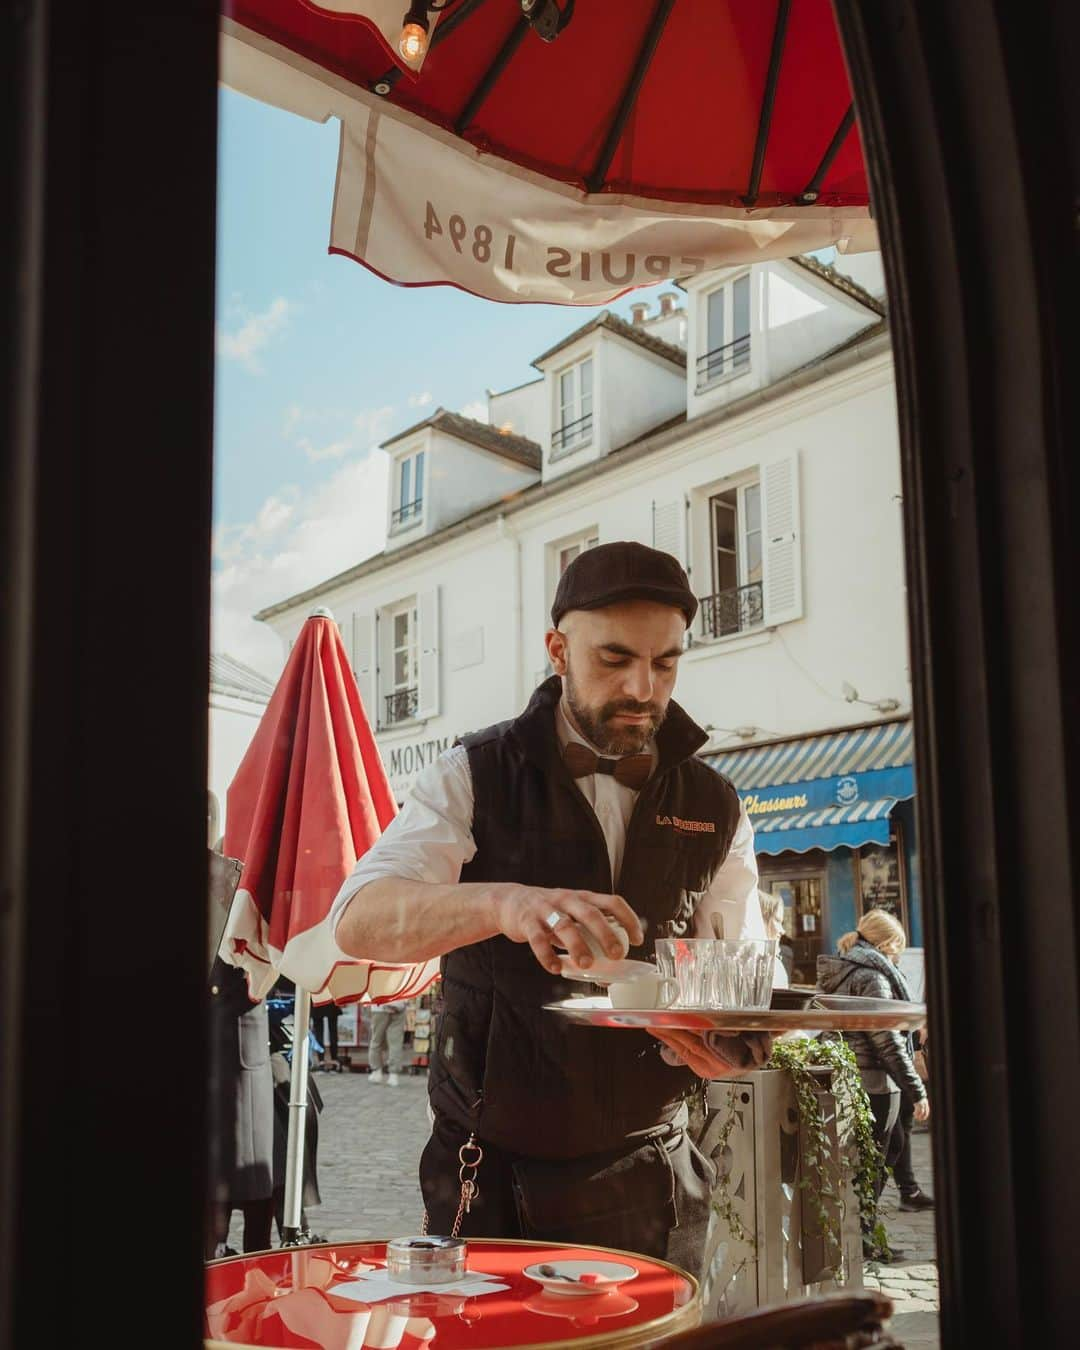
(387, 1041)
(866, 966)
(511, 848)
(324, 1019)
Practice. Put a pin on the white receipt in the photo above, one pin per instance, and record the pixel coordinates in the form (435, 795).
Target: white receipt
(377, 1285)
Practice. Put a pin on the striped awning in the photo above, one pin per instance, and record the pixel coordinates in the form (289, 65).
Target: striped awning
(823, 792)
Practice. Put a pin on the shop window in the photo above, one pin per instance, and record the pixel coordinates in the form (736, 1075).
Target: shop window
(879, 879)
(804, 896)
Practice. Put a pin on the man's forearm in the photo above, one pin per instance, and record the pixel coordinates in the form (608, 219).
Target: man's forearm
(392, 919)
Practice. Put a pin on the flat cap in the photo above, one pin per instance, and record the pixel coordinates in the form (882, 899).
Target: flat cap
(625, 570)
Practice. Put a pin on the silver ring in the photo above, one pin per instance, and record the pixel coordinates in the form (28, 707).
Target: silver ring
(554, 919)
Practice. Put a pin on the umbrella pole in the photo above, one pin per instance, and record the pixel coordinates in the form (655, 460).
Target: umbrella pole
(298, 1094)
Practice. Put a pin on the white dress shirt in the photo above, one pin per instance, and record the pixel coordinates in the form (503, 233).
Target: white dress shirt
(431, 839)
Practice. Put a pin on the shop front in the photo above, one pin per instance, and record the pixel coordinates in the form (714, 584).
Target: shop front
(834, 831)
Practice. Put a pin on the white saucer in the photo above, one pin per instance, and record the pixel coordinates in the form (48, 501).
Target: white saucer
(604, 970)
(614, 1273)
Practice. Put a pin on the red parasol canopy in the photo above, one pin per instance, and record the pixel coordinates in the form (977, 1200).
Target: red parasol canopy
(647, 140)
(310, 797)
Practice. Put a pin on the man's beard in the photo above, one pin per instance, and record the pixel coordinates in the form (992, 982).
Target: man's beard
(596, 725)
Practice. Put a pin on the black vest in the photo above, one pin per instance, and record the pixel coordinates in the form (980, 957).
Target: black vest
(523, 1078)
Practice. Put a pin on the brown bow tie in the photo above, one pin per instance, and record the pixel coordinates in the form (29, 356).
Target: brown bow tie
(631, 771)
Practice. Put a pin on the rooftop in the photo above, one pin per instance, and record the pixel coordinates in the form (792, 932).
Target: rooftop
(231, 677)
(632, 332)
(517, 449)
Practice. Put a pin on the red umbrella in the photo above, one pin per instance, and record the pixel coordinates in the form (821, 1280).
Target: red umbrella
(310, 797)
(547, 151)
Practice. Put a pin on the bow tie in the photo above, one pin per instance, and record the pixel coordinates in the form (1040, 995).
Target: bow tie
(631, 771)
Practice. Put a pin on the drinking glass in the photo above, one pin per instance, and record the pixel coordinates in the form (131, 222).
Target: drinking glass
(743, 973)
(691, 963)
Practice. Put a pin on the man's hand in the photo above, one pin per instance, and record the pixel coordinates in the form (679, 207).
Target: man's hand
(712, 1055)
(922, 1110)
(521, 913)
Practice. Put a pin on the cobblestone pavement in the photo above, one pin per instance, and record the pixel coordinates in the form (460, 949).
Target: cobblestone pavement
(912, 1283)
(371, 1137)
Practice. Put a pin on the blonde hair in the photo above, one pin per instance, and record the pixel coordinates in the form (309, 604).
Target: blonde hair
(881, 929)
(772, 907)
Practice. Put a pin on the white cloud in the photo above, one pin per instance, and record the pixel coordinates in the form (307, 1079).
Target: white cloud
(372, 425)
(255, 331)
(294, 414)
(335, 449)
(420, 400)
(477, 410)
(294, 541)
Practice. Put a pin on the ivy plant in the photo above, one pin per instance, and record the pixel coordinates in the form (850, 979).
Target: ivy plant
(799, 1059)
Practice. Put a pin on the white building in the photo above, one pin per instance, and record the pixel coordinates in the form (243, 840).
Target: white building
(749, 429)
(238, 697)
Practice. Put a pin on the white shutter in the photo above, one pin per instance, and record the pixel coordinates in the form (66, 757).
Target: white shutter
(781, 544)
(669, 528)
(428, 611)
(364, 663)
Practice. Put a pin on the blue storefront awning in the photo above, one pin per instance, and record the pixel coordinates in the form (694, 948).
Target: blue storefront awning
(823, 792)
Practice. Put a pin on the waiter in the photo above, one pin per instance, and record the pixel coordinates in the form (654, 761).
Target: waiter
(590, 804)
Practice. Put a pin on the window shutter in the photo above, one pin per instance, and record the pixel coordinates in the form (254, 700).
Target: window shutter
(669, 528)
(782, 553)
(428, 612)
(364, 663)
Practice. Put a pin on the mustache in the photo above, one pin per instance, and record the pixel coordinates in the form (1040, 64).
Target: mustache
(626, 705)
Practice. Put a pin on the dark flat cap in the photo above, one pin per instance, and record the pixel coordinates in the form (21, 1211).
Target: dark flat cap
(625, 570)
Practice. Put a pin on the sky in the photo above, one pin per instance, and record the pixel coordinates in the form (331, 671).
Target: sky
(317, 361)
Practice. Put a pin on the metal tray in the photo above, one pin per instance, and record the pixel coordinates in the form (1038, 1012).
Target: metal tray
(819, 1012)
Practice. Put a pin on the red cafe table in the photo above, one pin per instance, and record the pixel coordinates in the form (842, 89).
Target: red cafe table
(285, 1298)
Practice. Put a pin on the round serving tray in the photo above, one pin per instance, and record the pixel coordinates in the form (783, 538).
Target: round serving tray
(820, 1012)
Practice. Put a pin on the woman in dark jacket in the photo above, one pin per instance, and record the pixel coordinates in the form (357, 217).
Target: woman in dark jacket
(866, 967)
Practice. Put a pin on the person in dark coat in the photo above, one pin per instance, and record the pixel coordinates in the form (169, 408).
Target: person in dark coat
(241, 1108)
(866, 967)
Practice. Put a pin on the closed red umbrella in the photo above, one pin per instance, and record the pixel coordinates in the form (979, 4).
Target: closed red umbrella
(309, 798)
(567, 153)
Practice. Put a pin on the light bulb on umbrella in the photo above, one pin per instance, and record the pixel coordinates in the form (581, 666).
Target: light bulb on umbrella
(413, 43)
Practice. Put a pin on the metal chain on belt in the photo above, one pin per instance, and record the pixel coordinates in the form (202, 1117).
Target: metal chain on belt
(470, 1156)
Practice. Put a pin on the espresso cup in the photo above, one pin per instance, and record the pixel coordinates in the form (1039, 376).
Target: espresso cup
(643, 991)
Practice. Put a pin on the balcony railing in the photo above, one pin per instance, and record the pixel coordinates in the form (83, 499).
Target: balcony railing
(732, 356)
(406, 512)
(580, 429)
(400, 706)
(732, 611)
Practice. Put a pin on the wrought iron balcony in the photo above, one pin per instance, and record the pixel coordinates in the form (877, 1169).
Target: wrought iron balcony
(400, 706)
(580, 429)
(732, 356)
(732, 611)
(406, 512)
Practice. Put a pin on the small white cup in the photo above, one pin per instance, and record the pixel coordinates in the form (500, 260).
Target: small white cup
(643, 991)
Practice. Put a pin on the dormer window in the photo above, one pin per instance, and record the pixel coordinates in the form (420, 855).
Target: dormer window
(574, 410)
(410, 493)
(727, 332)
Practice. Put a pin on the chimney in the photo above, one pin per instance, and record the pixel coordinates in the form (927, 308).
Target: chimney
(668, 303)
(640, 312)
